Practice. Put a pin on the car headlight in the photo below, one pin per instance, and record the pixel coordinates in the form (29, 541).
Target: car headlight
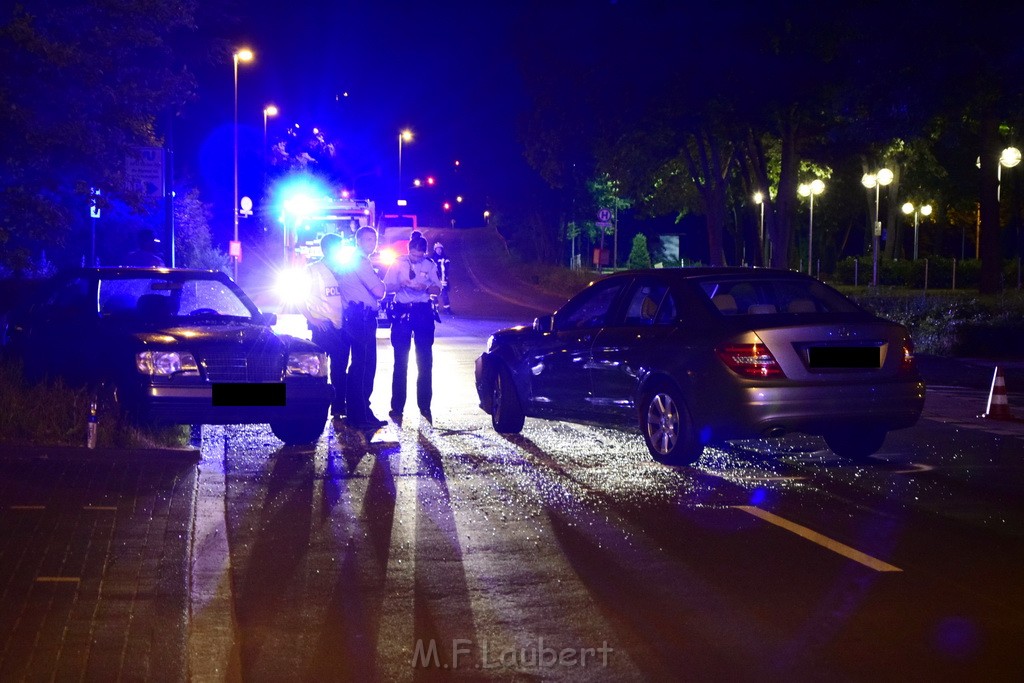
(490, 343)
(311, 363)
(166, 363)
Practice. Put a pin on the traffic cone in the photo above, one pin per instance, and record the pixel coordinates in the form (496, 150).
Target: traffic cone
(998, 407)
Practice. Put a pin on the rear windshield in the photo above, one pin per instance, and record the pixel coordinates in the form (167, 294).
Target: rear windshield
(738, 296)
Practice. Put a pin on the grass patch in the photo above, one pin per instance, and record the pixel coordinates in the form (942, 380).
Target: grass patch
(52, 413)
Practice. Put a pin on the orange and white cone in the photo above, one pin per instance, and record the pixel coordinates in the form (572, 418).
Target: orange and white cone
(998, 407)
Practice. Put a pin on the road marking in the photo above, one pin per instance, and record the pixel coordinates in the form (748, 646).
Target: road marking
(100, 508)
(27, 507)
(823, 541)
(57, 579)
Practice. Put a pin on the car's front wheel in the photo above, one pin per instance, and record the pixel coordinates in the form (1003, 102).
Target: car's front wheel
(507, 414)
(668, 429)
(856, 444)
(298, 432)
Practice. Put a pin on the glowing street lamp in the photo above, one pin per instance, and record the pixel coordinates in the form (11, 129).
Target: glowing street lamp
(815, 187)
(876, 180)
(243, 55)
(404, 136)
(925, 210)
(269, 110)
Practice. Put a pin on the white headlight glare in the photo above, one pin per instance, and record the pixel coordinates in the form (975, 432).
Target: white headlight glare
(312, 363)
(166, 363)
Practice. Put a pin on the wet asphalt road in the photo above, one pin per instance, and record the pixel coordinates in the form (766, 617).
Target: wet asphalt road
(424, 552)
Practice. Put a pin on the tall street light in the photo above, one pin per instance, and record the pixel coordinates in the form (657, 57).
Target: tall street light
(759, 200)
(876, 180)
(925, 210)
(243, 55)
(816, 186)
(404, 136)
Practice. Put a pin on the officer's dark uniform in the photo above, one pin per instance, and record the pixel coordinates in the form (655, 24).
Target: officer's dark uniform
(412, 319)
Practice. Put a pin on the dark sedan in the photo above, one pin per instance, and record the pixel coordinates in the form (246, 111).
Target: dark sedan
(174, 346)
(695, 356)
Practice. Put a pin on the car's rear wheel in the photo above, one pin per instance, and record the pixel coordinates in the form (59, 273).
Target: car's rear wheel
(668, 429)
(857, 444)
(299, 432)
(507, 414)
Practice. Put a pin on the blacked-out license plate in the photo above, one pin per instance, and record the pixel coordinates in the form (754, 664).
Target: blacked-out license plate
(822, 357)
(248, 394)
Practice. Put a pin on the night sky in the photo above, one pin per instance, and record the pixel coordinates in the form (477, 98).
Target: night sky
(363, 71)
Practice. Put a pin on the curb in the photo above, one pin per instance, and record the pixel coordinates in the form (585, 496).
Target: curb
(14, 451)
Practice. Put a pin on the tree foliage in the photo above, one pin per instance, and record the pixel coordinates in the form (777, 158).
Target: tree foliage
(83, 83)
(694, 110)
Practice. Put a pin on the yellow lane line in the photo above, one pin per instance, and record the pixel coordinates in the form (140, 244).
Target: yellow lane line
(823, 541)
(27, 507)
(57, 579)
(100, 508)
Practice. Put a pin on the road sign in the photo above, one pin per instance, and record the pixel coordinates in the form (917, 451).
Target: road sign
(94, 210)
(144, 170)
(604, 215)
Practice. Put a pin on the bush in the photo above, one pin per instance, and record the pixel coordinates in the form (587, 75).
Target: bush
(639, 255)
(954, 323)
(55, 414)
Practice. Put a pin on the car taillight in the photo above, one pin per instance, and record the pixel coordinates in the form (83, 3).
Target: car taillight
(750, 360)
(907, 361)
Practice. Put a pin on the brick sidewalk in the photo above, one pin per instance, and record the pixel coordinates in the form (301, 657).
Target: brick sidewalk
(91, 568)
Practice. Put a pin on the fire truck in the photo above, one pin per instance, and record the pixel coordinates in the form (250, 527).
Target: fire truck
(307, 219)
(307, 213)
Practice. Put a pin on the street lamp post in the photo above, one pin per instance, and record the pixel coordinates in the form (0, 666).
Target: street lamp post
(243, 55)
(925, 210)
(404, 136)
(816, 186)
(269, 110)
(759, 200)
(876, 180)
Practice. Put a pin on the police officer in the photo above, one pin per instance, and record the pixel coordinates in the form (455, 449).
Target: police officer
(413, 279)
(361, 290)
(322, 309)
(444, 265)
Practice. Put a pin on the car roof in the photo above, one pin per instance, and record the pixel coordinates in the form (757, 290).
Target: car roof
(139, 271)
(711, 272)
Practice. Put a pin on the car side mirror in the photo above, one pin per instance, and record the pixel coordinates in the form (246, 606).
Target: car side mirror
(545, 323)
(269, 319)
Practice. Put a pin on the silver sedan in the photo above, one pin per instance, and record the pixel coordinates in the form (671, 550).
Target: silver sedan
(694, 356)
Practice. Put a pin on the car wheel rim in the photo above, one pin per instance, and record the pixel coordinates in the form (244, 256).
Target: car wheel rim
(663, 423)
(496, 396)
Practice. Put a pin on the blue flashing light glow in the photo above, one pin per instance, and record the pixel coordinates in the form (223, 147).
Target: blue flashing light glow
(758, 496)
(298, 196)
(344, 258)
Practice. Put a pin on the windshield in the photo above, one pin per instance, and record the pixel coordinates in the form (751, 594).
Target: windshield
(161, 298)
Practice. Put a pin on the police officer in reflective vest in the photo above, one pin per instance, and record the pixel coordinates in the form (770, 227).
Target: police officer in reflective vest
(322, 309)
(413, 279)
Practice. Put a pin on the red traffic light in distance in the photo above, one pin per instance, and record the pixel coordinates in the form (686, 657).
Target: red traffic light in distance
(430, 180)
(447, 206)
